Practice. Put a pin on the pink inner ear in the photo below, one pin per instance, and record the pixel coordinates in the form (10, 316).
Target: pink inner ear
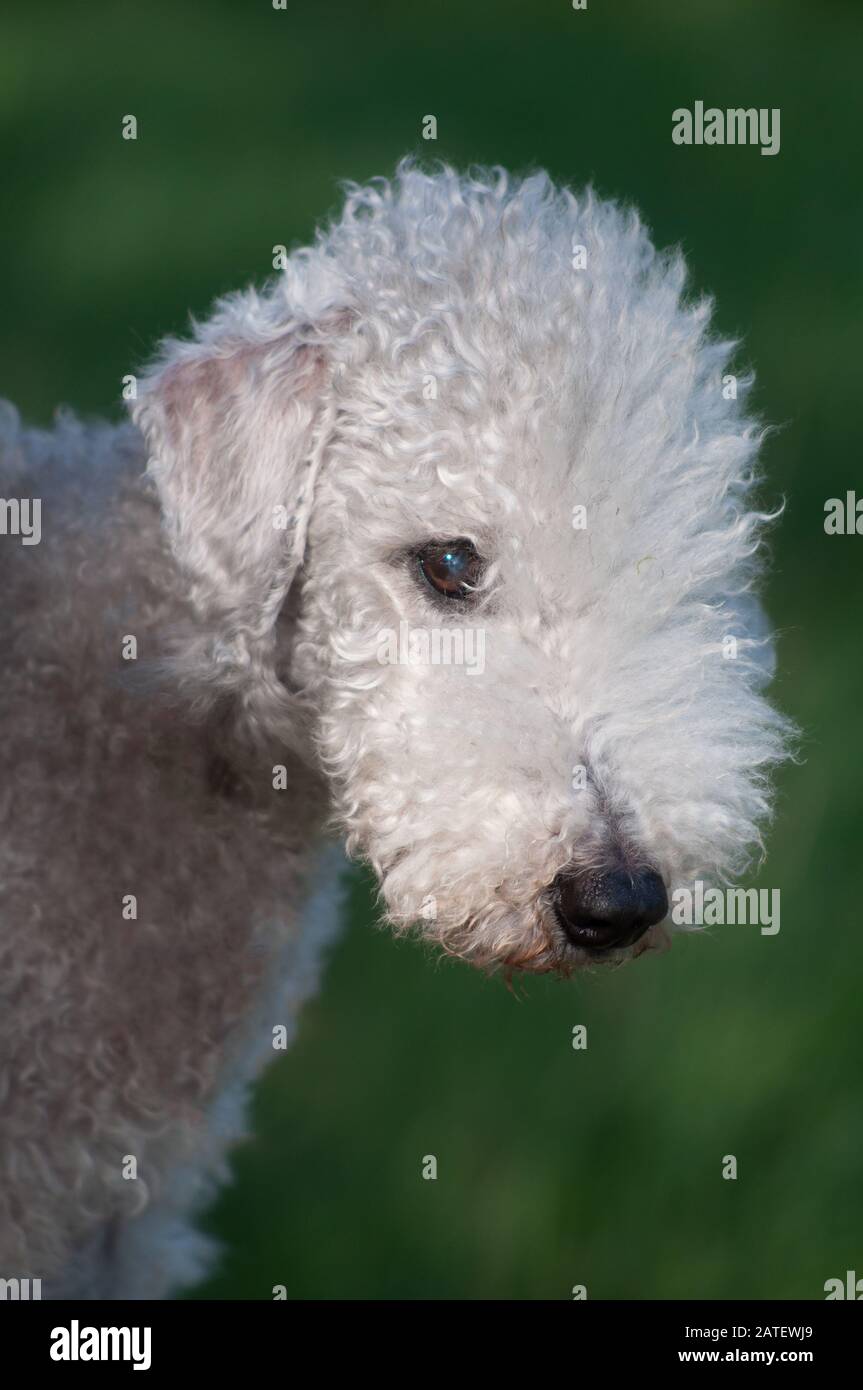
(230, 433)
(208, 403)
(203, 389)
(233, 374)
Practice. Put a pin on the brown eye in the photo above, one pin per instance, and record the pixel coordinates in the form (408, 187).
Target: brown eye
(453, 568)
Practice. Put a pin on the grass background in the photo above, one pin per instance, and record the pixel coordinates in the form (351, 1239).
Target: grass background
(555, 1167)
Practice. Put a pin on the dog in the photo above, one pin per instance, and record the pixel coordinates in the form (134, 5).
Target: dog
(476, 413)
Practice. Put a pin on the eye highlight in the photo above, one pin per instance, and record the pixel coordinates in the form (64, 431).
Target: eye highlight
(452, 568)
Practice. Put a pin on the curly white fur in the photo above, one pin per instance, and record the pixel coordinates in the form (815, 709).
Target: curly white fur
(443, 362)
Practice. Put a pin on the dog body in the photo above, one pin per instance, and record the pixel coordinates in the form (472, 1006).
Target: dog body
(151, 892)
(473, 403)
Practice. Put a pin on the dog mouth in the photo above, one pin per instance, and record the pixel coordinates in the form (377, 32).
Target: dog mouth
(544, 947)
(585, 917)
(600, 940)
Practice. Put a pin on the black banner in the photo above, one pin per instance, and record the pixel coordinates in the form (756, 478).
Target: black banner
(236, 1338)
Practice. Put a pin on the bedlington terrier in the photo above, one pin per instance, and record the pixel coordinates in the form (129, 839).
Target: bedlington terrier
(441, 544)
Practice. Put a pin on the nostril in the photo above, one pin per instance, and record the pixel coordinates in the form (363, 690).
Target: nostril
(653, 897)
(603, 910)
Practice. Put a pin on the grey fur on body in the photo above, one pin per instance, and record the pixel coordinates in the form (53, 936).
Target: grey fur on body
(117, 1034)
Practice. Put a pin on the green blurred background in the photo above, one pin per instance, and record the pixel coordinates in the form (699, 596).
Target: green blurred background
(556, 1167)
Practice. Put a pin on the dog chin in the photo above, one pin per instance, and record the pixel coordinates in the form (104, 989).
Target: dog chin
(525, 941)
(546, 951)
(521, 943)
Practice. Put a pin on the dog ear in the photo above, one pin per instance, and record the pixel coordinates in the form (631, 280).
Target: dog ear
(235, 423)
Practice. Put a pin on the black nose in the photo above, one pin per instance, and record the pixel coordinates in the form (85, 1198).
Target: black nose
(606, 910)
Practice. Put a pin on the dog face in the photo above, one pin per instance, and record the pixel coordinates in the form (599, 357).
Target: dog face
(508, 471)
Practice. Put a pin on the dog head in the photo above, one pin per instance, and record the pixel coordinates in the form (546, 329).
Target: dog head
(464, 505)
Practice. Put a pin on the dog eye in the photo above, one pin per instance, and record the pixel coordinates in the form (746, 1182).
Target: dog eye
(453, 568)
